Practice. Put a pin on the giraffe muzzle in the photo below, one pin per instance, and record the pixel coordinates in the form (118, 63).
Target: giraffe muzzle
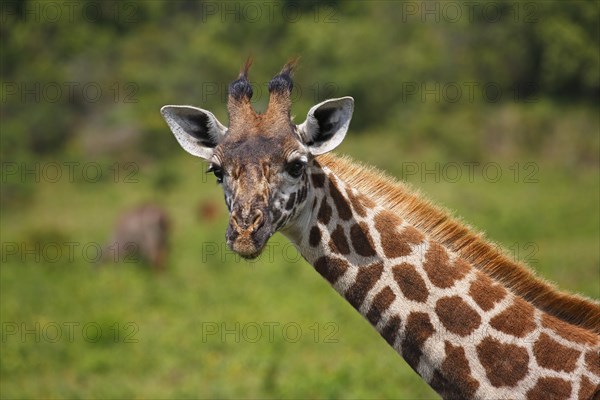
(248, 232)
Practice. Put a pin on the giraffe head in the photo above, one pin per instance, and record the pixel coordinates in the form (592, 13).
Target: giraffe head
(261, 159)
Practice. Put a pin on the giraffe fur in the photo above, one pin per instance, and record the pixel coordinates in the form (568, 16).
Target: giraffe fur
(471, 322)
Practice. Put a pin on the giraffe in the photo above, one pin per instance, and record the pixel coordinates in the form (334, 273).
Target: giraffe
(473, 323)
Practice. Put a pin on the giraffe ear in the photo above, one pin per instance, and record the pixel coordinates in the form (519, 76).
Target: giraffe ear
(198, 131)
(326, 124)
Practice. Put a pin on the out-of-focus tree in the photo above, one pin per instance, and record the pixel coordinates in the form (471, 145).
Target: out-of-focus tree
(145, 54)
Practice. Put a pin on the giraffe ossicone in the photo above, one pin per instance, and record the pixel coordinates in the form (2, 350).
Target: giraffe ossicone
(470, 321)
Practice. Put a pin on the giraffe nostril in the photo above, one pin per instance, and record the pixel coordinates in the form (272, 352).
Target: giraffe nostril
(234, 220)
(258, 220)
(249, 222)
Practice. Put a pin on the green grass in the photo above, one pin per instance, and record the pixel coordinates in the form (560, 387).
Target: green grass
(164, 348)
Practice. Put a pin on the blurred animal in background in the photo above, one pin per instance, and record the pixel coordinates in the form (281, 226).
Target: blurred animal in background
(208, 211)
(140, 235)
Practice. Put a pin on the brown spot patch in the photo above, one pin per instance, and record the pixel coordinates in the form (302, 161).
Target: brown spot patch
(454, 379)
(550, 388)
(438, 268)
(485, 292)
(324, 214)
(356, 203)
(399, 245)
(444, 388)
(314, 237)
(318, 179)
(592, 362)
(366, 278)
(390, 330)
(516, 320)
(387, 221)
(396, 244)
(570, 332)
(418, 330)
(457, 316)
(366, 202)
(552, 355)
(504, 364)
(340, 202)
(381, 302)
(587, 388)
(339, 243)
(410, 282)
(331, 268)
(361, 240)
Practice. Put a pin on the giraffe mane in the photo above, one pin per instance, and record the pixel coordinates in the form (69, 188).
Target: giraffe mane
(486, 256)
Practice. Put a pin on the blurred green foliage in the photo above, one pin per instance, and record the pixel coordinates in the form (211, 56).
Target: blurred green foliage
(141, 55)
(506, 82)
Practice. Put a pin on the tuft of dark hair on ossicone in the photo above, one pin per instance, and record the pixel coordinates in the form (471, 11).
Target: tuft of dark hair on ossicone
(241, 88)
(282, 82)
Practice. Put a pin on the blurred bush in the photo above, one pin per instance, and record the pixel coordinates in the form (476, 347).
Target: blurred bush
(142, 55)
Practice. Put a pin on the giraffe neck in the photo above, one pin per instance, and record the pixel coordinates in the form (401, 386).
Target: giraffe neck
(464, 334)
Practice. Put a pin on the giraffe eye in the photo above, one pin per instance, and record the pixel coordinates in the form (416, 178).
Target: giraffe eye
(295, 168)
(217, 171)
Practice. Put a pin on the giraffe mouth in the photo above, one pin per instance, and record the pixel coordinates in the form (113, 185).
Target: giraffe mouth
(248, 243)
(246, 251)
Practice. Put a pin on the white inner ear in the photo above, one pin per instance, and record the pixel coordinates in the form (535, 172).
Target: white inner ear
(336, 116)
(324, 138)
(183, 121)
